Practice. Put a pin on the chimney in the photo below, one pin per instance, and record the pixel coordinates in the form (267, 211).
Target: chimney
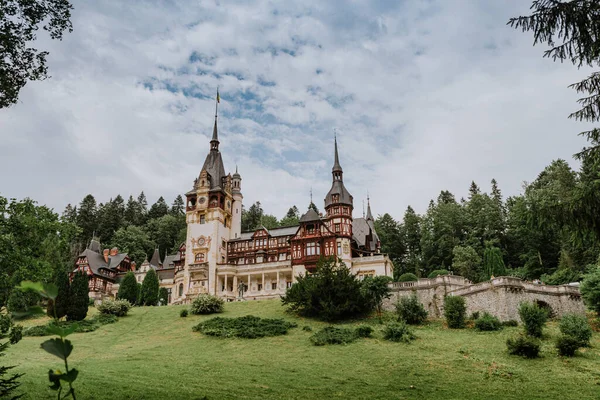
(133, 266)
(114, 251)
(105, 254)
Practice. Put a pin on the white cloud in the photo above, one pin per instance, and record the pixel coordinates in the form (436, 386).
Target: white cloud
(425, 96)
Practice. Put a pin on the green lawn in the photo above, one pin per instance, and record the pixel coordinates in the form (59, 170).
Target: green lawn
(153, 354)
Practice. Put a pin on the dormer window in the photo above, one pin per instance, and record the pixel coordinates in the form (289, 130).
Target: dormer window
(310, 229)
(335, 198)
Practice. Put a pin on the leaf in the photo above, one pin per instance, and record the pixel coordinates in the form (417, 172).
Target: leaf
(51, 290)
(70, 376)
(62, 332)
(32, 286)
(54, 378)
(58, 347)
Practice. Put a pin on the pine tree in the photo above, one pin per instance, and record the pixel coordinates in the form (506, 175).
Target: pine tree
(128, 289)
(87, 217)
(143, 208)
(178, 207)
(132, 214)
(493, 264)
(163, 296)
(60, 306)
(158, 209)
(473, 190)
(412, 238)
(150, 286)
(251, 219)
(79, 299)
(69, 214)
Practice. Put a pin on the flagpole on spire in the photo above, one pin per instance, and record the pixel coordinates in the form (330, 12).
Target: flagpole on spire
(217, 103)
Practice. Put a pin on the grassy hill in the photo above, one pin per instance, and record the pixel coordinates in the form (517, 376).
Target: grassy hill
(153, 354)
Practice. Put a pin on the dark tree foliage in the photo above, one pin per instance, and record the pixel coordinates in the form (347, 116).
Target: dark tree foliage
(128, 288)
(163, 296)
(392, 240)
(251, 219)
(178, 207)
(331, 293)
(9, 383)
(19, 24)
(376, 290)
(570, 29)
(87, 217)
(158, 209)
(60, 305)
(80, 301)
(314, 207)
(590, 290)
(149, 291)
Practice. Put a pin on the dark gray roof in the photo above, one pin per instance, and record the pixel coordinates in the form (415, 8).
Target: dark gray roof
(214, 166)
(155, 260)
(276, 232)
(336, 164)
(361, 228)
(95, 246)
(311, 215)
(337, 187)
(169, 260)
(369, 215)
(97, 263)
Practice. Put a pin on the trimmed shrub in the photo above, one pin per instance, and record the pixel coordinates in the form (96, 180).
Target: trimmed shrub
(183, 313)
(567, 345)
(79, 298)
(410, 309)
(128, 288)
(578, 327)
(510, 322)
(163, 296)
(331, 293)
(487, 322)
(149, 292)
(307, 328)
(61, 304)
(533, 318)
(408, 277)
(87, 325)
(247, 327)
(333, 335)
(455, 311)
(523, 345)
(207, 304)
(16, 334)
(364, 331)
(114, 307)
(398, 332)
(437, 272)
(590, 290)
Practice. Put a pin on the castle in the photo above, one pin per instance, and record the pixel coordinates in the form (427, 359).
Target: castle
(219, 259)
(222, 260)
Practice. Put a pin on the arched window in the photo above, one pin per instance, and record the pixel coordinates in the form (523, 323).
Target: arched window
(180, 289)
(199, 258)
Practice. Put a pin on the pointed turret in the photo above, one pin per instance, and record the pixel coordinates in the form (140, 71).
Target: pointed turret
(155, 260)
(336, 164)
(369, 215)
(338, 193)
(214, 143)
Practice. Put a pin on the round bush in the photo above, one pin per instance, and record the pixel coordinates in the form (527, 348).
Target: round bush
(114, 307)
(567, 345)
(183, 313)
(487, 322)
(247, 327)
(364, 331)
(408, 277)
(523, 345)
(578, 327)
(455, 311)
(437, 272)
(207, 304)
(398, 332)
(410, 309)
(533, 318)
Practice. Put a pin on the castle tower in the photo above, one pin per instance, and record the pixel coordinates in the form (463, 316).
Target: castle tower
(236, 212)
(339, 207)
(209, 220)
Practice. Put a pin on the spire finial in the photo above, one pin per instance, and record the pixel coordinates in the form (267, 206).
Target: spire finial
(214, 143)
(337, 168)
(311, 201)
(369, 214)
(363, 208)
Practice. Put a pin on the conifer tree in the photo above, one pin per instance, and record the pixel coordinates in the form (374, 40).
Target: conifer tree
(163, 296)
(128, 289)
(412, 238)
(493, 264)
(60, 305)
(150, 286)
(178, 207)
(158, 209)
(87, 217)
(79, 299)
(143, 207)
(132, 214)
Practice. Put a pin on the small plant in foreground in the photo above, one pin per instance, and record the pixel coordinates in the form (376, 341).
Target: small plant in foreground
(114, 307)
(523, 345)
(510, 322)
(534, 317)
(487, 322)
(567, 345)
(183, 313)
(207, 304)
(455, 311)
(410, 309)
(398, 332)
(307, 328)
(59, 347)
(578, 327)
(333, 335)
(8, 384)
(364, 331)
(247, 327)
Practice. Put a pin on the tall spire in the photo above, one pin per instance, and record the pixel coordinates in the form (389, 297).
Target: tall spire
(369, 215)
(214, 143)
(336, 164)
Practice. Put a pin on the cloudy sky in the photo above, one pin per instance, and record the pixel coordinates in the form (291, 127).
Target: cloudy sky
(424, 95)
